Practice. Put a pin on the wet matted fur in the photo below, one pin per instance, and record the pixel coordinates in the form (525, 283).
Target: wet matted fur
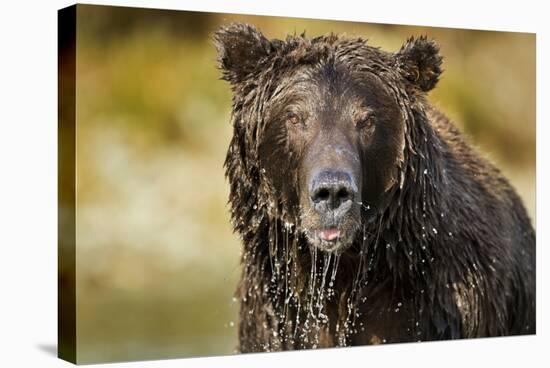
(442, 246)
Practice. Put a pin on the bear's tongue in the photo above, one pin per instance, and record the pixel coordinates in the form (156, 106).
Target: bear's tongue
(330, 234)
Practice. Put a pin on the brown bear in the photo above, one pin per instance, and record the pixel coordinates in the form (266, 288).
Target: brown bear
(365, 216)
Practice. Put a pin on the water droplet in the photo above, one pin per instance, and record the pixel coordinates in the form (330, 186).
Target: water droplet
(425, 171)
(231, 324)
(434, 230)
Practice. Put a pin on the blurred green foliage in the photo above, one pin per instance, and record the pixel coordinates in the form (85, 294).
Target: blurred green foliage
(157, 262)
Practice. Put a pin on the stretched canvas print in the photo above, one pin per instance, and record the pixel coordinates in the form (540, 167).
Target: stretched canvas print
(233, 184)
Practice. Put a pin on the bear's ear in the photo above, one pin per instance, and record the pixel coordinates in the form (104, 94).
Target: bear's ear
(241, 48)
(420, 62)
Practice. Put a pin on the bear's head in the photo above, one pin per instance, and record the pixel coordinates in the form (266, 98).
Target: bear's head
(321, 128)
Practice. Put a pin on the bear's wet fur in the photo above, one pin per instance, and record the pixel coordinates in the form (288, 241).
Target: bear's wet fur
(445, 251)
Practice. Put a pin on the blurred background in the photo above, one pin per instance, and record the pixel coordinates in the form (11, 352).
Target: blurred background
(157, 262)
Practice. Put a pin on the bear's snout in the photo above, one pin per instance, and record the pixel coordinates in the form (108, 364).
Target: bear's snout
(332, 193)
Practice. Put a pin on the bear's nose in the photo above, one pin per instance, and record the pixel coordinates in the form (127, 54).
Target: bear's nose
(332, 190)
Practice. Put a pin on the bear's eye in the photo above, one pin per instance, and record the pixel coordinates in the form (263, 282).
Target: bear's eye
(293, 119)
(366, 121)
